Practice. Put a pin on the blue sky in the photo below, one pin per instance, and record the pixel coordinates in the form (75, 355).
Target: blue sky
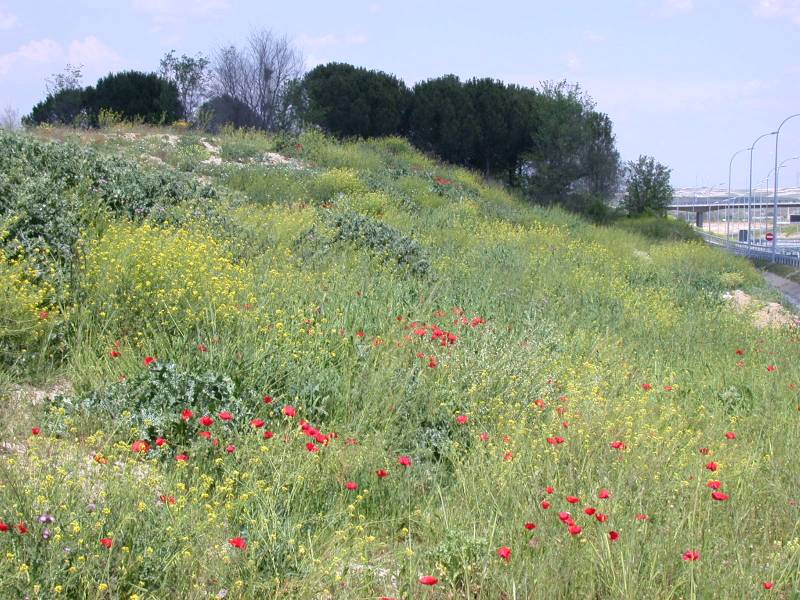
(687, 81)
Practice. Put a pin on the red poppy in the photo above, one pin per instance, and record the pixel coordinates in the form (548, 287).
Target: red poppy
(289, 410)
(730, 435)
(149, 360)
(618, 445)
(160, 442)
(768, 585)
(225, 415)
(206, 421)
(575, 529)
(404, 460)
(462, 419)
(647, 386)
(690, 555)
(667, 388)
(107, 542)
(564, 516)
(230, 449)
(714, 485)
(351, 485)
(167, 499)
(204, 434)
(555, 441)
(36, 431)
(601, 518)
(381, 473)
(114, 354)
(704, 451)
(268, 435)
(530, 526)
(590, 511)
(4, 527)
(140, 446)
(712, 466)
(182, 458)
(573, 499)
(641, 517)
(186, 414)
(504, 552)
(613, 535)
(267, 399)
(484, 437)
(739, 352)
(360, 333)
(238, 542)
(771, 368)
(257, 423)
(433, 363)
(311, 447)
(202, 347)
(22, 528)
(603, 494)
(508, 456)
(721, 496)
(428, 580)
(565, 424)
(545, 504)
(549, 489)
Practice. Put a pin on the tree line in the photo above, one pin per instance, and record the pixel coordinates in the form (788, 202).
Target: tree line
(550, 142)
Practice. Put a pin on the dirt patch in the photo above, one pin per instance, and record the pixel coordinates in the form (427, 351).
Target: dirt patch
(764, 314)
(22, 394)
(212, 149)
(274, 159)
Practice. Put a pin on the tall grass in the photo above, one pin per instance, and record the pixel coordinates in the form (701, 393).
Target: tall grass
(581, 359)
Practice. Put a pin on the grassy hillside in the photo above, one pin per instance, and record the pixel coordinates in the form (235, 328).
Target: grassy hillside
(295, 368)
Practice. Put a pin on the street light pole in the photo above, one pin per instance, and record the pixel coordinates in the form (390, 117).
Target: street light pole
(775, 193)
(750, 195)
(728, 212)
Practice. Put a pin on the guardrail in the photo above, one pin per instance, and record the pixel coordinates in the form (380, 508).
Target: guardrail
(754, 251)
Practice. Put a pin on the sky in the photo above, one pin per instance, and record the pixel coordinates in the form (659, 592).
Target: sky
(687, 81)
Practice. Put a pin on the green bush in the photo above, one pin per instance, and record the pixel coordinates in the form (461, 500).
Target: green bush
(50, 191)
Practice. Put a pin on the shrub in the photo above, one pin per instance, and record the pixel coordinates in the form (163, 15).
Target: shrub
(65, 107)
(50, 191)
(225, 110)
(151, 402)
(133, 94)
(348, 101)
(329, 184)
(146, 276)
(26, 309)
(386, 242)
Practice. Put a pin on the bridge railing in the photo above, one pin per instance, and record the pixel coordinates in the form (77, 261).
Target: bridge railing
(784, 257)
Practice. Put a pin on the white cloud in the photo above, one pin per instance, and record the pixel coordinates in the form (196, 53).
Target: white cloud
(595, 38)
(173, 12)
(34, 52)
(772, 9)
(8, 20)
(331, 40)
(572, 61)
(97, 58)
(675, 7)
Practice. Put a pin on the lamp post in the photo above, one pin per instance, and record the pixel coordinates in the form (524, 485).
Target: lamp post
(750, 195)
(727, 212)
(775, 193)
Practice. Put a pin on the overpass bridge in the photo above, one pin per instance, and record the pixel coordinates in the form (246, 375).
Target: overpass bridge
(759, 208)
